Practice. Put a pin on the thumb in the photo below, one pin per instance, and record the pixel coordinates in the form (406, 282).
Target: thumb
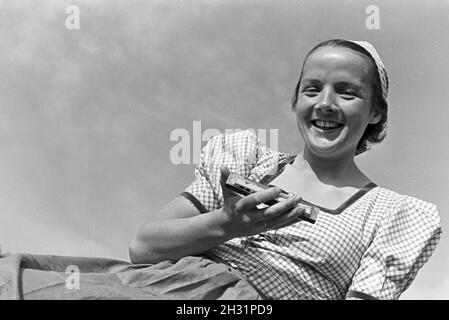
(224, 171)
(224, 174)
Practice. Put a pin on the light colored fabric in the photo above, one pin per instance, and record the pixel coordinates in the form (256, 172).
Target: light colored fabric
(26, 276)
(379, 64)
(374, 247)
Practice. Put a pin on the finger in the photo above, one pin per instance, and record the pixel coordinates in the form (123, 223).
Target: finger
(287, 219)
(256, 215)
(251, 201)
(281, 207)
(224, 174)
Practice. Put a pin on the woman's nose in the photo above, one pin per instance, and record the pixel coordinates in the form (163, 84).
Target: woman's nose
(326, 102)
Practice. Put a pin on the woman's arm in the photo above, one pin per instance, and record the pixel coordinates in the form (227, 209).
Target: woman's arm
(180, 230)
(406, 238)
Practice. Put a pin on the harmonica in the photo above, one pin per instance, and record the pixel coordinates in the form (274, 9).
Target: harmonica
(245, 186)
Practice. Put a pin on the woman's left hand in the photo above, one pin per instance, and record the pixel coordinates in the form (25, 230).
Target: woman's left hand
(243, 216)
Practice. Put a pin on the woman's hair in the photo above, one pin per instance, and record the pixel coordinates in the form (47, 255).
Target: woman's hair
(374, 133)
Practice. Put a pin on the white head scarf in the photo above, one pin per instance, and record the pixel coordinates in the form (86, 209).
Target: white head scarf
(380, 65)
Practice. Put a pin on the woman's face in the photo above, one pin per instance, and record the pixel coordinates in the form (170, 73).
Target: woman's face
(334, 101)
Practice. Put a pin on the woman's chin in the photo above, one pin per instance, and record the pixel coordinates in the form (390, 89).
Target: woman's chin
(323, 151)
(325, 148)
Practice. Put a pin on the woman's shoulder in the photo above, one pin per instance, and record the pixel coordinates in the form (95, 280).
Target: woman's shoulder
(407, 206)
(243, 144)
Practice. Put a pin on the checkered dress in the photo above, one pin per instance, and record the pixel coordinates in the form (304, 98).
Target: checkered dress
(371, 250)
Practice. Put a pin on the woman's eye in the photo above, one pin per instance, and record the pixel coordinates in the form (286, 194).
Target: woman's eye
(311, 91)
(348, 95)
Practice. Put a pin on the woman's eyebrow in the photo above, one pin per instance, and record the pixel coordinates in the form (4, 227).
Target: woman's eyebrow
(353, 85)
(311, 81)
(339, 84)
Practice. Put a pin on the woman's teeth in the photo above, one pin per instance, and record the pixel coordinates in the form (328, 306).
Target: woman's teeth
(326, 124)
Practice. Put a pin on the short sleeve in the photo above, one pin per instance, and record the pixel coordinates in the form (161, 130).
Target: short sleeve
(404, 242)
(239, 151)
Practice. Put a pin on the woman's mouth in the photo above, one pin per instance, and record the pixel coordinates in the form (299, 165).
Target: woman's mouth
(326, 125)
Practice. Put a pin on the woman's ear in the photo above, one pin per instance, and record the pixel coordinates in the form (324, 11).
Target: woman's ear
(375, 117)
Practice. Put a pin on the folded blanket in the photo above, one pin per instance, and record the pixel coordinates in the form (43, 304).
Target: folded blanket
(27, 276)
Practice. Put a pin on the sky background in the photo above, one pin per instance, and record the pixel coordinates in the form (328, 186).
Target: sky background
(86, 115)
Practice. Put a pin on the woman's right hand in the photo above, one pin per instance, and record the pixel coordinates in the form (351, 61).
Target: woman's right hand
(245, 219)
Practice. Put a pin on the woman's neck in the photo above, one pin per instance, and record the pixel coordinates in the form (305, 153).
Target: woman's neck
(338, 172)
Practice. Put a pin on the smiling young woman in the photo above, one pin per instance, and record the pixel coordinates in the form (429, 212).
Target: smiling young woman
(334, 105)
(368, 242)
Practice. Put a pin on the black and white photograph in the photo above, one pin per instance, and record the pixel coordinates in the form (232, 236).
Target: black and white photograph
(232, 150)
